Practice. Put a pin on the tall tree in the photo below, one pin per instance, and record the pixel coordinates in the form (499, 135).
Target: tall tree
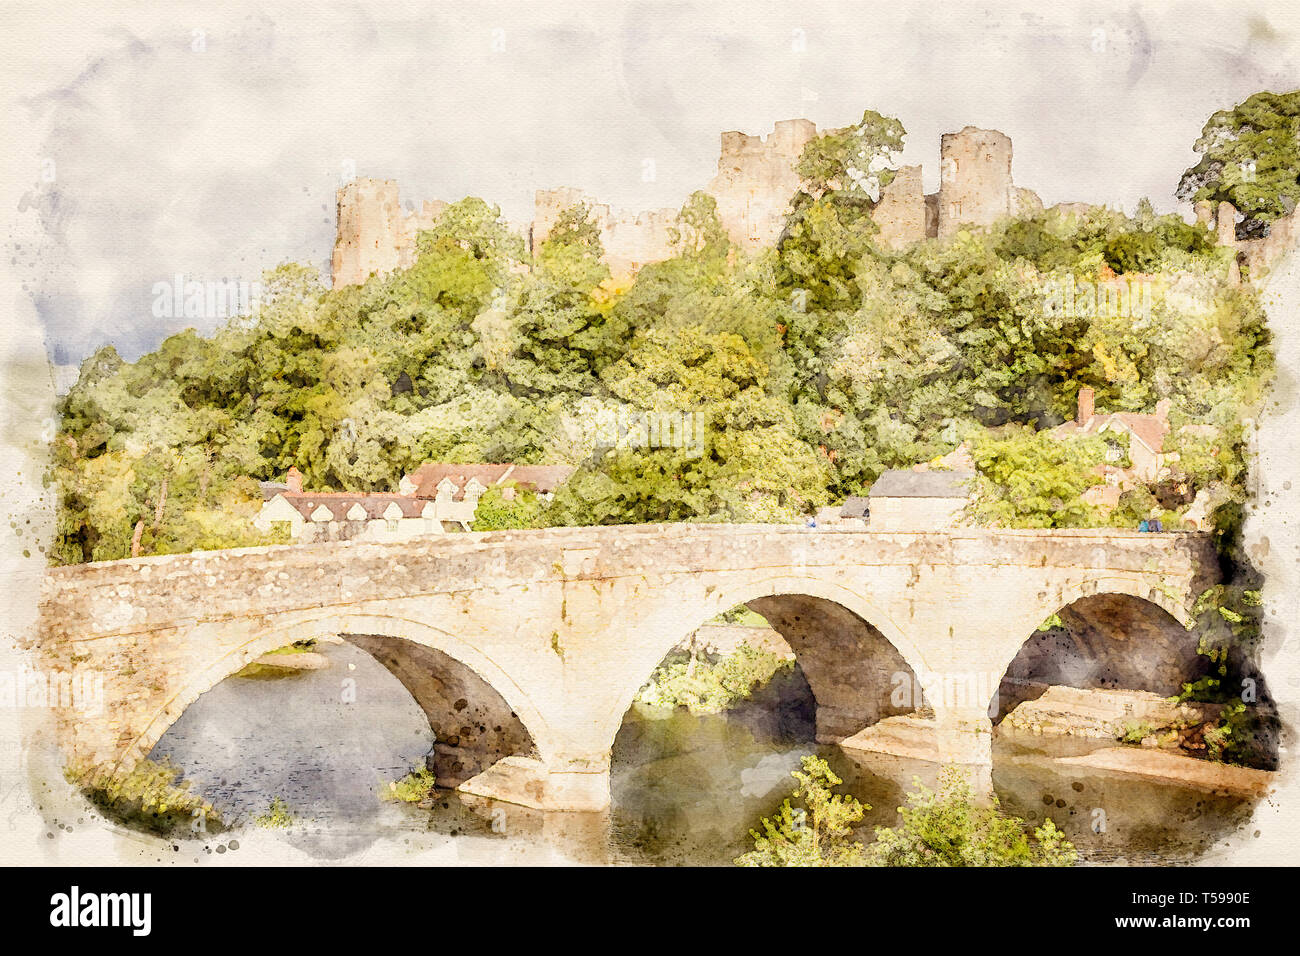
(1250, 157)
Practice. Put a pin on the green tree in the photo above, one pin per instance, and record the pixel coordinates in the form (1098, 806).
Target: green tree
(852, 159)
(698, 232)
(1028, 479)
(818, 833)
(572, 249)
(948, 827)
(1250, 157)
(496, 512)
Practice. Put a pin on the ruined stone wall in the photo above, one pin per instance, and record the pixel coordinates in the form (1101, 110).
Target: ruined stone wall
(1259, 256)
(931, 215)
(902, 211)
(756, 180)
(630, 240)
(375, 235)
(549, 204)
(976, 186)
(633, 240)
(753, 187)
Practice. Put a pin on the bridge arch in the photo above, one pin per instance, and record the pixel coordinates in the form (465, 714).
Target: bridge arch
(681, 611)
(301, 628)
(1113, 633)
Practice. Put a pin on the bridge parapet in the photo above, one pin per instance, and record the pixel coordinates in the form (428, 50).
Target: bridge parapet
(157, 591)
(566, 624)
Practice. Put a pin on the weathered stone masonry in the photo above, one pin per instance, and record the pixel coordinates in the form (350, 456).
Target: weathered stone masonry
(567, 624)
(753, 186)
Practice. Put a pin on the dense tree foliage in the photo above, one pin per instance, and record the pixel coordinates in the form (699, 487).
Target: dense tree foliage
(949, 827)
(794, 377)
(1250, 157)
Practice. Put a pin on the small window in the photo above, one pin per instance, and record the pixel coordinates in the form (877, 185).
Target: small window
(392, 525)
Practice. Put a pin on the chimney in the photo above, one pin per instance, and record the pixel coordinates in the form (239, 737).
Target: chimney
(1162, 411)
(1087, 398)
(293, 478)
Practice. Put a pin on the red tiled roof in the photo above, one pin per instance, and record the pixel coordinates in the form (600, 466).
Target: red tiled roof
(543, 478)
(1148, 429)
(426, 478)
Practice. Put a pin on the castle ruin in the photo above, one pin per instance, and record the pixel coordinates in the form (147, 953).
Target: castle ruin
(630, 240)
(1257, 255)
(375, 235)
(753, 187)
(756, 181)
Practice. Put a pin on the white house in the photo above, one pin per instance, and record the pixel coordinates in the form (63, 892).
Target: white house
(909, 500)
(435, 499)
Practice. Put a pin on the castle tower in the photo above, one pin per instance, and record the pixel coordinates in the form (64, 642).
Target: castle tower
(368, 226)
(756, 180)
(374, 235)
(975, 179)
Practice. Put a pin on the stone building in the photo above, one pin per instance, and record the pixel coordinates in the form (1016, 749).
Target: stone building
(753, 187)
(975, 190)
(375, 235)
(756, 181)
(910, 500)
(434, 499)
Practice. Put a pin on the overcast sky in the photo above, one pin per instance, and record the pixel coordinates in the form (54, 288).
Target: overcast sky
(216, 154)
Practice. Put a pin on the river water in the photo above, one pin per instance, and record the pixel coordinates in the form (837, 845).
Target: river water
(685, 789)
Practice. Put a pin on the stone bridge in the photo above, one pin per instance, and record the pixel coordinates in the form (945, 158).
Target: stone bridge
(526, 648)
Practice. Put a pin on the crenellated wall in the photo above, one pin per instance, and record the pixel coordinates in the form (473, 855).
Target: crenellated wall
(756, 180)
(630, 240)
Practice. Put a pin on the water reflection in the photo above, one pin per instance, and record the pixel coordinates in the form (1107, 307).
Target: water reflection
(685, 789)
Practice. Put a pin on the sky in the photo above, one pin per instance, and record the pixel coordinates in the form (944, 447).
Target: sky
(207, 139)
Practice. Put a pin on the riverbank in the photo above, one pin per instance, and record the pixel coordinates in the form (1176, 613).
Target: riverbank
(1099, 722)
